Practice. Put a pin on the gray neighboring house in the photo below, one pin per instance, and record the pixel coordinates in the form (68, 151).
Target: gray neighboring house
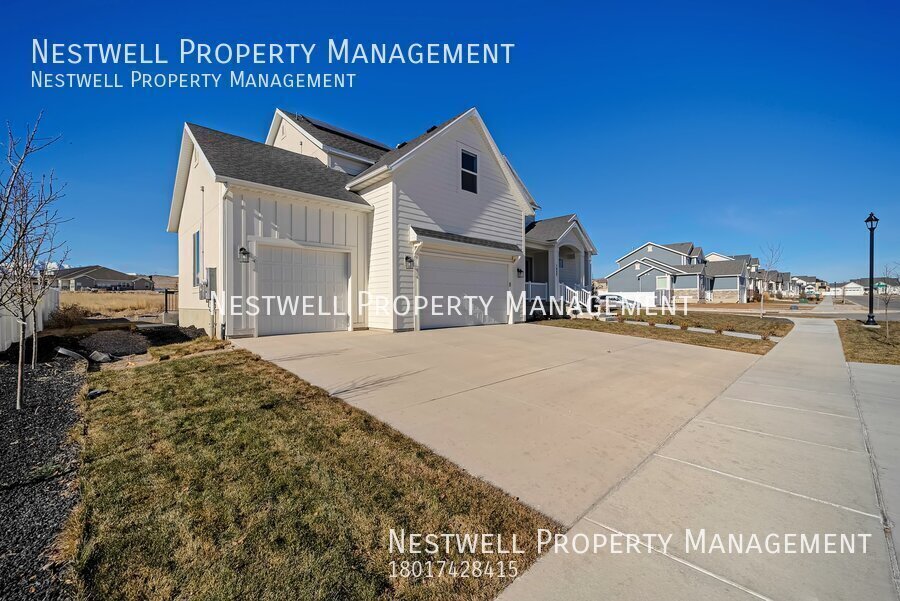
(653, 273)
(97, 277)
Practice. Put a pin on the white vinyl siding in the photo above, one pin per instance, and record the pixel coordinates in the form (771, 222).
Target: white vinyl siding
(382, 270)
(428, 195)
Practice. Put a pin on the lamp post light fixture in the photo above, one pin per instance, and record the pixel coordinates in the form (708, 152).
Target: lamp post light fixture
(871, 223)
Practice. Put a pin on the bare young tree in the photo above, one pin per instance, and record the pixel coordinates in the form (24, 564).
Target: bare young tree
(771, 259)
(887, 294)
(27, 234)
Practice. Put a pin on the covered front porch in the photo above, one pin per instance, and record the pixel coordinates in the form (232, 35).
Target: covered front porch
(549, 271)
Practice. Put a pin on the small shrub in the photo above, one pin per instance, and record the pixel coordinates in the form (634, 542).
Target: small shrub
(684, 326)
(764, 336)
(652, 324)
(729, 327)
(718, 330)
(67, 316)
(620, 318)
(670, 321)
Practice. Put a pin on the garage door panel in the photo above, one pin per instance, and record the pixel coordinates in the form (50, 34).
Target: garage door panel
(286, 272)
(444, 276)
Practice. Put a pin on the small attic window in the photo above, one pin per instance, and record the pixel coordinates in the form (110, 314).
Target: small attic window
(195, 158)
(468, 162)
(649, 248)
(637, 266)
(283, 129)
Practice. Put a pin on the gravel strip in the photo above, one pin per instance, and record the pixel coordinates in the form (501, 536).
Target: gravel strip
(37, 472)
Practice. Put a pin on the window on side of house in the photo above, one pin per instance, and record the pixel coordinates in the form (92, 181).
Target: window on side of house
(196, 257)
(662, 282)
(468, 162)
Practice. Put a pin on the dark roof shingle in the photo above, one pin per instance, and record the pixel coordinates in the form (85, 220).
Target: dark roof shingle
(240, 158)
(339, 138)
(548, 230)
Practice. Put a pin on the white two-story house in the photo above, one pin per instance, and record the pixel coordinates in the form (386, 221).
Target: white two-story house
(317, 210)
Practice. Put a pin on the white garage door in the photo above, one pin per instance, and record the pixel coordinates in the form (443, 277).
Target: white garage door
(289, 274)
(444, 276)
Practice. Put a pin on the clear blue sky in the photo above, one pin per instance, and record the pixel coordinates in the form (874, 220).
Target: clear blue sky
(728, 124)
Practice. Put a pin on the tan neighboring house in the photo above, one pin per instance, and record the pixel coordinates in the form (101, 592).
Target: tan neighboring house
(318, 210)
(97, 277)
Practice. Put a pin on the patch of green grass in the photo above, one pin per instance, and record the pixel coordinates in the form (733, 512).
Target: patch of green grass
(224, 477)
(870, 345)
(720, 341)
(748, 324)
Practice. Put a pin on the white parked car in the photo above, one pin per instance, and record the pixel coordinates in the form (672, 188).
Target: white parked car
(611, 302)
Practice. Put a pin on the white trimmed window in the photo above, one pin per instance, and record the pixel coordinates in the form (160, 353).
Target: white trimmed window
(662, 282)
(468, 163)
(196, 257)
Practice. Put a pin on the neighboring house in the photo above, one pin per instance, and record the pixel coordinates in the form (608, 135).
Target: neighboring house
(97, 277)
(318, 210)
(601, 285)
(852, 288)
(806, 284)
(890, 285)
(653, 273)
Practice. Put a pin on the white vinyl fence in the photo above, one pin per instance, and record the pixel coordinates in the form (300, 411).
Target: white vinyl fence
(9, 326)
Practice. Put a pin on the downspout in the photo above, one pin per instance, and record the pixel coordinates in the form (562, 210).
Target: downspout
(224, 259)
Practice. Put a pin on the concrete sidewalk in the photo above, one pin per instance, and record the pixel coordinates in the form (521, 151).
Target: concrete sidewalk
(781, 451)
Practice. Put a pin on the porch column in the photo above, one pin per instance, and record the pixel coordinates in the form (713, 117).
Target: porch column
(553, 270)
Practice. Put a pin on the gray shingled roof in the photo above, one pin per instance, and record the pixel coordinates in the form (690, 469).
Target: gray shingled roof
(682, 247)
(466, 239)
(695, 268)
(744, 258)
(95, 272)
(548, 230)
(240, 158)
(406, 147)
(695, 252)
(336, 137)
(724, 268)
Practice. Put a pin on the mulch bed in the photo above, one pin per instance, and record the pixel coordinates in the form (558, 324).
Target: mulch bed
(37, 472)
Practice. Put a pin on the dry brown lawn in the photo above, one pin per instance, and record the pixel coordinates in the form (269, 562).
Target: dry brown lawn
(114, 304)
(720, 341)
(870, 345)
(225, 477)
(749, 324)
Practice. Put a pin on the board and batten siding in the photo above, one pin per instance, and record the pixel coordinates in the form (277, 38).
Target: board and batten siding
(270, 216)
(382, 242)
(428, 195)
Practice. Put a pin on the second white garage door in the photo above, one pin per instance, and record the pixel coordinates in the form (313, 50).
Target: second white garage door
(445, 276)
(289, 274)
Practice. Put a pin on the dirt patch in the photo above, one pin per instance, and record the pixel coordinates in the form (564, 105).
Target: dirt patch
(116, 342)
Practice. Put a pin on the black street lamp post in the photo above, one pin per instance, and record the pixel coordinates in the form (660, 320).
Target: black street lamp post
(871, 223)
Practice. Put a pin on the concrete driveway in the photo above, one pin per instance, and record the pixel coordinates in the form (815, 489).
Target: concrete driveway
(554, 416)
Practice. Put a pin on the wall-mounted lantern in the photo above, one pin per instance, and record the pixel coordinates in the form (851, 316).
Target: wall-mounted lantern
(409, 262)
(243, 255)
(520, 272)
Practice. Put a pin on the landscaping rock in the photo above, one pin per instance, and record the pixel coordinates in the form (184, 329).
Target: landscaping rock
(163, 335)
(37, 468)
